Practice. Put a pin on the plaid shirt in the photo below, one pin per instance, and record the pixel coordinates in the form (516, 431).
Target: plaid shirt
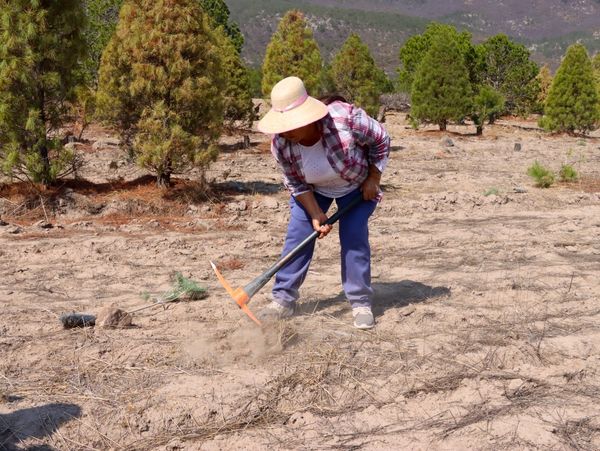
(352, 140)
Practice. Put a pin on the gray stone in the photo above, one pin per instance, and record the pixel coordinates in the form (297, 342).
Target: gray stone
(447, 142)
(517, 147)
(104, 143)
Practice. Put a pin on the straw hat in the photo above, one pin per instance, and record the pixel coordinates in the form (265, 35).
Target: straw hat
(292, 108)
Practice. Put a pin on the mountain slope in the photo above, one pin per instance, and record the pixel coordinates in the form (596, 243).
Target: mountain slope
(547, 27)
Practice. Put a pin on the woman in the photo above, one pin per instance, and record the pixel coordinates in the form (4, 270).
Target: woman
(326, 152)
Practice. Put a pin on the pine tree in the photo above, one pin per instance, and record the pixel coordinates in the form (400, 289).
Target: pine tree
(506, 67)
(218, 11)
(161, 85)
(41, 44)
(355, 75)
(414, 49)
(572, 103)
(237, 97)
(441, 89)
(292, 51)
(102, 17)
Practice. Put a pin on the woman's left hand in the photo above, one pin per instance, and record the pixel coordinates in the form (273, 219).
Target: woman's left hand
(370, 188)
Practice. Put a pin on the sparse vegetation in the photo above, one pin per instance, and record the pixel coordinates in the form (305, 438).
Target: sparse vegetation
(567, 173)
(544, 177)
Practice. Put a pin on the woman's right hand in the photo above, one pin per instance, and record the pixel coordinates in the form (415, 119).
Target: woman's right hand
(319, 226)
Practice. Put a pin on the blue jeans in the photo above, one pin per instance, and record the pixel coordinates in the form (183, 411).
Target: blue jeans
(355, 251)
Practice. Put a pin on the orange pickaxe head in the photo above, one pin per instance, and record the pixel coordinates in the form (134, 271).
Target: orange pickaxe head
(239, 295)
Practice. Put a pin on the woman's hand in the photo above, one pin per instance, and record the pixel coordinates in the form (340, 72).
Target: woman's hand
(370, 187)
(318, 225)
(317, 216)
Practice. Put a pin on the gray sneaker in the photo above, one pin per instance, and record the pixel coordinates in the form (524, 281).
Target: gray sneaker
(274, 311)
(363, 318)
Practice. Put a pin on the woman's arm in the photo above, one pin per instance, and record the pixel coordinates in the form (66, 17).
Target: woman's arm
(310, 204)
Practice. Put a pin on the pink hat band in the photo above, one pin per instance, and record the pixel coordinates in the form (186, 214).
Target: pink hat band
(293, 105)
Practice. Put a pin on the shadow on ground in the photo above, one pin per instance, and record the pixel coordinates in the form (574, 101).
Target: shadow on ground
(34, 423)
(258, 187)
(388, 295)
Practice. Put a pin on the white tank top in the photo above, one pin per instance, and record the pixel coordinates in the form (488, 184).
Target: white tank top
(319, 173)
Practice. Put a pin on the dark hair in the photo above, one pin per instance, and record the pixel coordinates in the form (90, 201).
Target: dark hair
(330, 98)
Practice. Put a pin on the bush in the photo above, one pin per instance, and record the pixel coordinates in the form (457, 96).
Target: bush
(568, 173)
(543, 176)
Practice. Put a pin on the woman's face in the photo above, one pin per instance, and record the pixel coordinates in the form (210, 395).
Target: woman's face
(301, 135)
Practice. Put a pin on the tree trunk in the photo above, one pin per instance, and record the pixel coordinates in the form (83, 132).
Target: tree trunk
(46, 169)
(45, 175)
(163, 179)
(442, 125)
(479, 131)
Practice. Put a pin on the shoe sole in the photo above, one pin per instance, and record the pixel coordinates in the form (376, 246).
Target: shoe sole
(364, 327)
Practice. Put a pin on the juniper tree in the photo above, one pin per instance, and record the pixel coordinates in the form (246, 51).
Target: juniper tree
(441, 90)
(292, 51)
(487, 106)
(414, 49)
(506, 67)
(572, 103)
(356, 76)
(41, 44)
(161, 84)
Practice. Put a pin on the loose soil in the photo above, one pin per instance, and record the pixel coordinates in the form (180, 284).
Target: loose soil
(487, 305)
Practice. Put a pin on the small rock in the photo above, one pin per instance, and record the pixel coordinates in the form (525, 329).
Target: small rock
(43, 224)
(518, 189)
(2, 223)
(238, 206)
(15, 230)
(113, 317)
(447, 142)
(517, 147)
(271, 203)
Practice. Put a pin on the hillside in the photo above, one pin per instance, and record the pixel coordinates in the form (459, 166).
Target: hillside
(546, 27)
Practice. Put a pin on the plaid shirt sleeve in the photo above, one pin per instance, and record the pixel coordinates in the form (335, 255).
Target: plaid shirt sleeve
(370, 134)
(293, 180)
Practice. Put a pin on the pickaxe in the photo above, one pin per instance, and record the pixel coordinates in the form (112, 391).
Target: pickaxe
(242, 296)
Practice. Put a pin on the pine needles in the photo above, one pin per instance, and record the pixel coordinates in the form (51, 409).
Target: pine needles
(182, 288)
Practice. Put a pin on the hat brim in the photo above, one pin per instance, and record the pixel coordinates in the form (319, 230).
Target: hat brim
(275, 122)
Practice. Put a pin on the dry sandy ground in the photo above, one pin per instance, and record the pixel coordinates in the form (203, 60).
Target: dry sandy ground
(487, 306)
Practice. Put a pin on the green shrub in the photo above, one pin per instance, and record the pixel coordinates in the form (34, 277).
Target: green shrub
(543, 176)
(567, 173)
